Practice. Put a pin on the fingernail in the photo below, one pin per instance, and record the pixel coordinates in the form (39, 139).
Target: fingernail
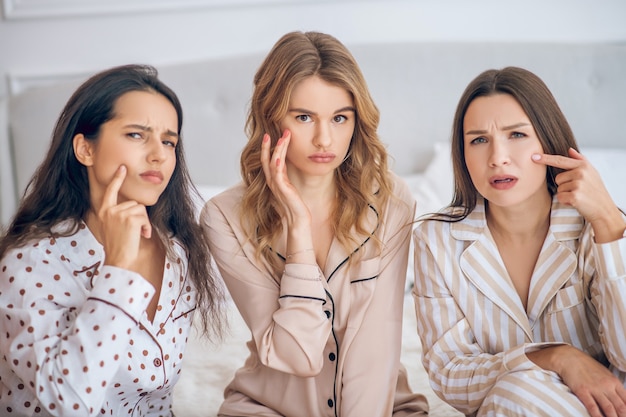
(535, 157)
(266, 137)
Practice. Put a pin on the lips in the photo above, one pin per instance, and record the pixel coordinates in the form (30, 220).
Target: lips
(502, 182)
(322, 157)
(154, 177)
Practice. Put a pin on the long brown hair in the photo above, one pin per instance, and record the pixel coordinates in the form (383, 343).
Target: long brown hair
(549, 122)
(59, 190)
(362, 179)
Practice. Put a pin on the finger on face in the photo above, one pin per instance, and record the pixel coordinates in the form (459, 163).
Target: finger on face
(265, 154)
(112, 190)
(558, 161)
(280, 151)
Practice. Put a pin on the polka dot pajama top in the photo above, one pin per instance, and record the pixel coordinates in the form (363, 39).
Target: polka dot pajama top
(75, 339)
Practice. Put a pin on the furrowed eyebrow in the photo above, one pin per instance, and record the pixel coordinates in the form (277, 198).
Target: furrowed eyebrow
(149, 129)
(511, 127)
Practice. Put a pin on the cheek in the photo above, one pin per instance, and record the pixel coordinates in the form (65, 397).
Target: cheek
(293, 151)
(471, 162)
(171, 165)
(348, 135)
(540, 171)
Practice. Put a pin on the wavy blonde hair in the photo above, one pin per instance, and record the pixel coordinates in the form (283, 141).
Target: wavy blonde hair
(362, 179)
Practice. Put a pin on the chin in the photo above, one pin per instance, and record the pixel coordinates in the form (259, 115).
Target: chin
(147, 201)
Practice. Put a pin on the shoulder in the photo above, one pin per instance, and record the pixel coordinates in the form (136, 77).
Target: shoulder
(228, 198)
(49, 249)
(401, 198)
(57, 260)
(400, 188)
(431, 227)
(223, 203)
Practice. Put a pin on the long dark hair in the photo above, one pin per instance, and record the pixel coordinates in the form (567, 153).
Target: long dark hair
(59, 189)
(553, 130)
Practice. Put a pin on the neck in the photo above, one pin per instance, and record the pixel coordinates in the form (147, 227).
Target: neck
(522, 222)
(315, 190)
(94, 225)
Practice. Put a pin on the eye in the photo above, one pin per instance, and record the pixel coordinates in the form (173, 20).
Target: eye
(135, 135)
(340, 118)
(478, 140)
(517, 135)
(169, 143)
(303, 118)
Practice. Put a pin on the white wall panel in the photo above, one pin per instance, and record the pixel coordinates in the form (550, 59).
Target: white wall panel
(27, 9)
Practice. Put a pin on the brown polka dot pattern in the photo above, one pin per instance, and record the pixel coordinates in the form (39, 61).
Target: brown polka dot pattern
(79, 339)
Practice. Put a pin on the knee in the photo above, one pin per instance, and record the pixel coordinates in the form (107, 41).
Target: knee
(531, 393)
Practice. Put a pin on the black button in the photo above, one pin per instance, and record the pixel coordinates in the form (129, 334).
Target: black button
(330, 403)
(327, 313)
(157, 362)
(143, 394)
(331, 356)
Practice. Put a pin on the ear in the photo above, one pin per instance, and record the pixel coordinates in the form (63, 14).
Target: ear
(83, 150)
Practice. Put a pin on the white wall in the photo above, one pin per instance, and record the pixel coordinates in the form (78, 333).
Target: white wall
(43, 37)
(45, 40)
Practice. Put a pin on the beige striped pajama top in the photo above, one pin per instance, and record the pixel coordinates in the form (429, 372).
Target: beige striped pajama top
(472, 324)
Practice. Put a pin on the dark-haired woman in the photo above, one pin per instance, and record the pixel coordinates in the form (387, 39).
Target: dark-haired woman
(520, 284)
(103, 265)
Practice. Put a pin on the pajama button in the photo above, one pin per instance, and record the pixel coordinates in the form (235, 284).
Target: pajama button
(331, 356)
(327, 314)
(330, 403)
(157, 362)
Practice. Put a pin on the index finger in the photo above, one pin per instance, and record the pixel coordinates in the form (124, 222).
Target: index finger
(265, 154)
(110, 194)
(558, 161)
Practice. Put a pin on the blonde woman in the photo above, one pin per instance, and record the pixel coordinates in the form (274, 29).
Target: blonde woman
(313, 245)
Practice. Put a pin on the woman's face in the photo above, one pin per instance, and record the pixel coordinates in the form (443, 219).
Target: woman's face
(321, 118)
(499, 141)
(143, 136)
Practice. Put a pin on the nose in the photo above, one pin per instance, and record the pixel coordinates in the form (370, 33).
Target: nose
(499, 153)
(323, 136)
(156, 150)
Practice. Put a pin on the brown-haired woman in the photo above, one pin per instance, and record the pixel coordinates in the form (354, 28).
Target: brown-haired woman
(520, 283)
(104, 263)
(313, 245)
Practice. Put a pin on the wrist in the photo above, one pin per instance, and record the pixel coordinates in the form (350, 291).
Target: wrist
(298, 252)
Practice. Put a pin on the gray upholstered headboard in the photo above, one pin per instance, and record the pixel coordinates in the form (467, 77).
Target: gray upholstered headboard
(415, 85)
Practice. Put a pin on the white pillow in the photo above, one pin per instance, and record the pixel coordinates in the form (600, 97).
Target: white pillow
(433, 188)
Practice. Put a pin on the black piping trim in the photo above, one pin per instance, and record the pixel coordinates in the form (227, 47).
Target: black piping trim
(364, 279)
(303, 297)
(360, 246)
(332, 327)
